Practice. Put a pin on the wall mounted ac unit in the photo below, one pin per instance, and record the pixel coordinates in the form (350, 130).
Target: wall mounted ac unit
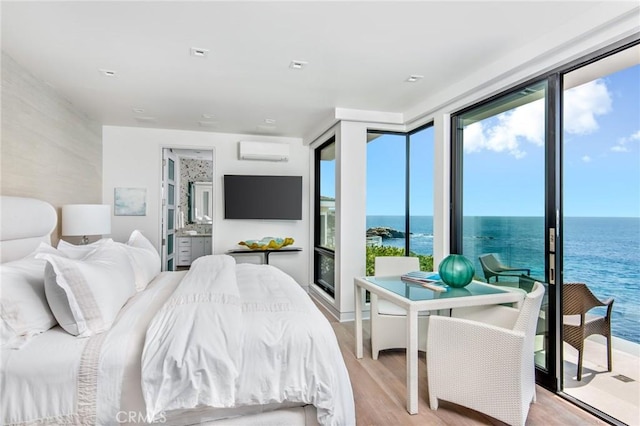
(266, 151)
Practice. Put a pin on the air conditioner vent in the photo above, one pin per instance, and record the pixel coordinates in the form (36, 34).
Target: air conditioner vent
(265, 151)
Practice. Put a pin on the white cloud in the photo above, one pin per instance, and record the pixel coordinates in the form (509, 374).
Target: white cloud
(507, 132)
(621, 146)
(586, 158)
(633, 137)
(582, 104)
(525, 122)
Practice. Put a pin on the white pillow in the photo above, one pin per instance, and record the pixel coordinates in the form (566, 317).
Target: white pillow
(85, 295)
(145, 259)
(78, 252)
(24, 311)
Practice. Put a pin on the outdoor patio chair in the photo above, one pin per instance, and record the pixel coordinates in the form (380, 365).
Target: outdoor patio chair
(578, 324)
(483, 358)
(492, 267)
(388, 321)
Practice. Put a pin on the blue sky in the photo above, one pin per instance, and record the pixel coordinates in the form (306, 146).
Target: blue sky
(386, 168)
(504, 158)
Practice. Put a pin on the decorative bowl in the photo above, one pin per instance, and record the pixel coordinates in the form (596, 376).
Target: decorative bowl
(267, 243)
(456, 270)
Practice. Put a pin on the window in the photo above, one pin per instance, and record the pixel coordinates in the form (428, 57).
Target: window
(325, 217)
(400, 196)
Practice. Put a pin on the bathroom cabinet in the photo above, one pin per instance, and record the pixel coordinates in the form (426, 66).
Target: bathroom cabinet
(192, 247)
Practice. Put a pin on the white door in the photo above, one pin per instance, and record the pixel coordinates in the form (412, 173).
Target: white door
(168, 209)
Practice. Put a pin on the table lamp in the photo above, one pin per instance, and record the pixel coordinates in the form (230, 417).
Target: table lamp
(86, 219)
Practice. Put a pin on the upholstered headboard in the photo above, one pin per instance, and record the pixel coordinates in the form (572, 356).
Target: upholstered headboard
(24, 224)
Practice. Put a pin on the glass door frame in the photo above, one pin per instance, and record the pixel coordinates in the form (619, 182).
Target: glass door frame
(549, 377)
(552, 377)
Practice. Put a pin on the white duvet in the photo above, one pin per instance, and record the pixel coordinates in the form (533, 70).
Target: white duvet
(276, 350)
(215, 344)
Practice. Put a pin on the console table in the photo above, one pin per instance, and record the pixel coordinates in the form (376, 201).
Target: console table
(264, 252)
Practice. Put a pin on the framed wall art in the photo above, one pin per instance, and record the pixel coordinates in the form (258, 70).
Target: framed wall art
(130, 202)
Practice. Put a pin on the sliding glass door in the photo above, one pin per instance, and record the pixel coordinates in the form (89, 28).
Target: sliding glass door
(601, 244)
(546, 178)
(501, 155)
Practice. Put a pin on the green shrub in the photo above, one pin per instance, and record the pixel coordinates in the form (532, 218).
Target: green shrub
(426, 262)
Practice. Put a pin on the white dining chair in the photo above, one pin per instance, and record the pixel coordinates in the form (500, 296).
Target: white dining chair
(485, 360)
(388, 321)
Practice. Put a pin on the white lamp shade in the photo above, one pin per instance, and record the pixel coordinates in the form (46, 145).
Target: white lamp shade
(86, 219)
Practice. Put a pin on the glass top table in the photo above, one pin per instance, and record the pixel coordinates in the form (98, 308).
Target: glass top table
(416, 292)
(413, 297)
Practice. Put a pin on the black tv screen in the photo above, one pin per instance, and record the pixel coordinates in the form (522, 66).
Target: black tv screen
(262, 197)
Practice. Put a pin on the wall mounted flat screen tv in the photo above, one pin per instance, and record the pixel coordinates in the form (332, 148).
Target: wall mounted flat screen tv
(262, 197)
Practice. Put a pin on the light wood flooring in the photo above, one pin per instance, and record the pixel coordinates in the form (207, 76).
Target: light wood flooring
(379, 392)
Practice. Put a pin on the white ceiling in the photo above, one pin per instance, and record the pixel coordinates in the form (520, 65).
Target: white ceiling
(359, 55)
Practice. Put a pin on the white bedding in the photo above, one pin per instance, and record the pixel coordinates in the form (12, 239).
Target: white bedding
(60, 379)
(222, 342)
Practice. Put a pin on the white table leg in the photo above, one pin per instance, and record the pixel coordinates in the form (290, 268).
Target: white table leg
(412, 361)
(358, 307)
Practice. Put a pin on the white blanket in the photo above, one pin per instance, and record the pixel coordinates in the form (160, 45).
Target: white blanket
(60, 379)
(214, 344)
(192, 342)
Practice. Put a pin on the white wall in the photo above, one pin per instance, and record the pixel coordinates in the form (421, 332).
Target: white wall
(132, 157)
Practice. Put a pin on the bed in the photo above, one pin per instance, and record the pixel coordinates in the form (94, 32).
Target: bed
(222, 343)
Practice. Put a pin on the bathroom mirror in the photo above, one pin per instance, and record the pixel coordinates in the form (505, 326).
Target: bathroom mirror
(200, 202)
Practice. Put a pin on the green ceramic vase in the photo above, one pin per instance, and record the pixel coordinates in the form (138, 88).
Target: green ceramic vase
(456, 270)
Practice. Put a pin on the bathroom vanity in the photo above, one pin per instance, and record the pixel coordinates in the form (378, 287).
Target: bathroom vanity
(191, 247)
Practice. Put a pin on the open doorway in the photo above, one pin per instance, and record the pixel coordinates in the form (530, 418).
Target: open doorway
(187, 206)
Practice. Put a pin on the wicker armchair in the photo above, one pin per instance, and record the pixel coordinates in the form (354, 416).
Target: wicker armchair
(577, 300)
(388, 321)
(485, 361)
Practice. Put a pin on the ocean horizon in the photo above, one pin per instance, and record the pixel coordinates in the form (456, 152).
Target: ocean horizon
(602, 252)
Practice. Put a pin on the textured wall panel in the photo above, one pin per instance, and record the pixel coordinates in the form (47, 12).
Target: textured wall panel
(50, 150)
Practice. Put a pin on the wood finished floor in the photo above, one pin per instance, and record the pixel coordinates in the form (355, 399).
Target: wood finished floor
(379, 392)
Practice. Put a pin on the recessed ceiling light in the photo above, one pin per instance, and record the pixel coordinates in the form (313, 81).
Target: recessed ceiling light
(297, 65)
(414, 78)
(138, 110)
(146, 119)
(107, 73)
(208, 123)
(199, 52)
(269, 121)
(266, 128)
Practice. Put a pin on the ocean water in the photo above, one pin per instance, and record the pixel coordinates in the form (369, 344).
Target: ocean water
(604, 253)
